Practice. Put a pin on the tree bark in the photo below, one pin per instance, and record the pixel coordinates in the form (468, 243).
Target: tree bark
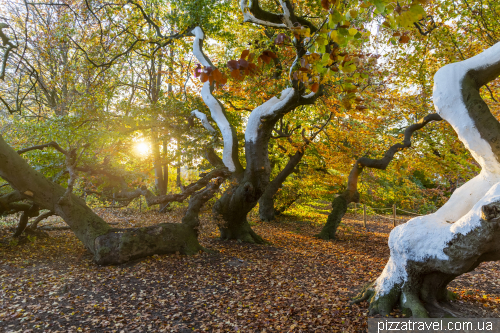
(249, 184)
(23, 220)
(266, 202)
(351, 194)
(423, 292)
(109, 246)
(429, 251)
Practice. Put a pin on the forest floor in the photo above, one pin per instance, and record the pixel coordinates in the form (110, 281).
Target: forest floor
(296, 283)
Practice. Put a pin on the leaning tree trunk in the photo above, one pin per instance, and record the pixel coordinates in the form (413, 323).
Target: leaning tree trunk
(109, 246)
(429, 251)
(266, 202)
(267, 210)
(351, 194)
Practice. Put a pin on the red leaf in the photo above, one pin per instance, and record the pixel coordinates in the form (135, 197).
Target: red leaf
(404, 39)
(280, 38)
(252, 67)
(243, 64)
(197, 70)
(315, 87)
(265, 59)
(270, 54)
(232, 65)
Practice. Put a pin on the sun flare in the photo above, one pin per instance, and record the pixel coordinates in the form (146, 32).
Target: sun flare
(142, 148)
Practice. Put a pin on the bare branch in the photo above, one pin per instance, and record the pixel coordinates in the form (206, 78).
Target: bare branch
(152, 199)
(52, 144)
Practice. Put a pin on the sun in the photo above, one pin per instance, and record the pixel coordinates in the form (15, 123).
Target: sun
(142, 148)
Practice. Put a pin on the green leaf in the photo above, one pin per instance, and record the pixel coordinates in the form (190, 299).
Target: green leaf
(379, 5)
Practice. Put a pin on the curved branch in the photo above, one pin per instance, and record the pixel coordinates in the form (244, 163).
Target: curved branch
(351, 193)
(204, 120)
(253, 13)
(6, 42)
(389, 154)
(197, 200)
(152, 199)
(230, 150)
(457, 99)
(40, 218)
(52, 144)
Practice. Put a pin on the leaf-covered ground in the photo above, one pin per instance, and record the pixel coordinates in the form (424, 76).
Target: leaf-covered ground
(294, 284)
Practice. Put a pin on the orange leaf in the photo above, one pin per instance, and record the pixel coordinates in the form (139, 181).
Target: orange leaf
(235, 73)
(244, 54)
(315, 87)
(217, 75)
(404, 39)
(203, 77)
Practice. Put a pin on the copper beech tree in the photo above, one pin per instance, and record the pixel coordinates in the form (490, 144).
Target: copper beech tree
(112, 246)
(329, 46)
(429, 251)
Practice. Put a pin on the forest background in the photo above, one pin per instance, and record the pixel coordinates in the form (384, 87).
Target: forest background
(100, 99)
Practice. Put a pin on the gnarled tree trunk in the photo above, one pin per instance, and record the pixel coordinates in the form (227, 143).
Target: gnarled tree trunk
(266, 201)
(429, 251)
(109, 246)
(351, 194)
(249, 184)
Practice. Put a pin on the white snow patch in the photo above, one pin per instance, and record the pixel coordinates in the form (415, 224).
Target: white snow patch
(426, 237)
(286, 14)
(248, 17)
(448, 102)
(198, 53)
(204, 120)
(221, 120)
(213, 105)
(266, 109)
(311, 94)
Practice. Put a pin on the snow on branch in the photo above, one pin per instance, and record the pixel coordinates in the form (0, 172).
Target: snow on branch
(427, 239)
(286, 14)
(204, 120)
(254, 14)
(451, 103)
(216, 108)
(265, 110)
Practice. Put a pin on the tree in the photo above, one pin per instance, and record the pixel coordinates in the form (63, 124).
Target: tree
(351, 194)
(428, 252)
(319, 50)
